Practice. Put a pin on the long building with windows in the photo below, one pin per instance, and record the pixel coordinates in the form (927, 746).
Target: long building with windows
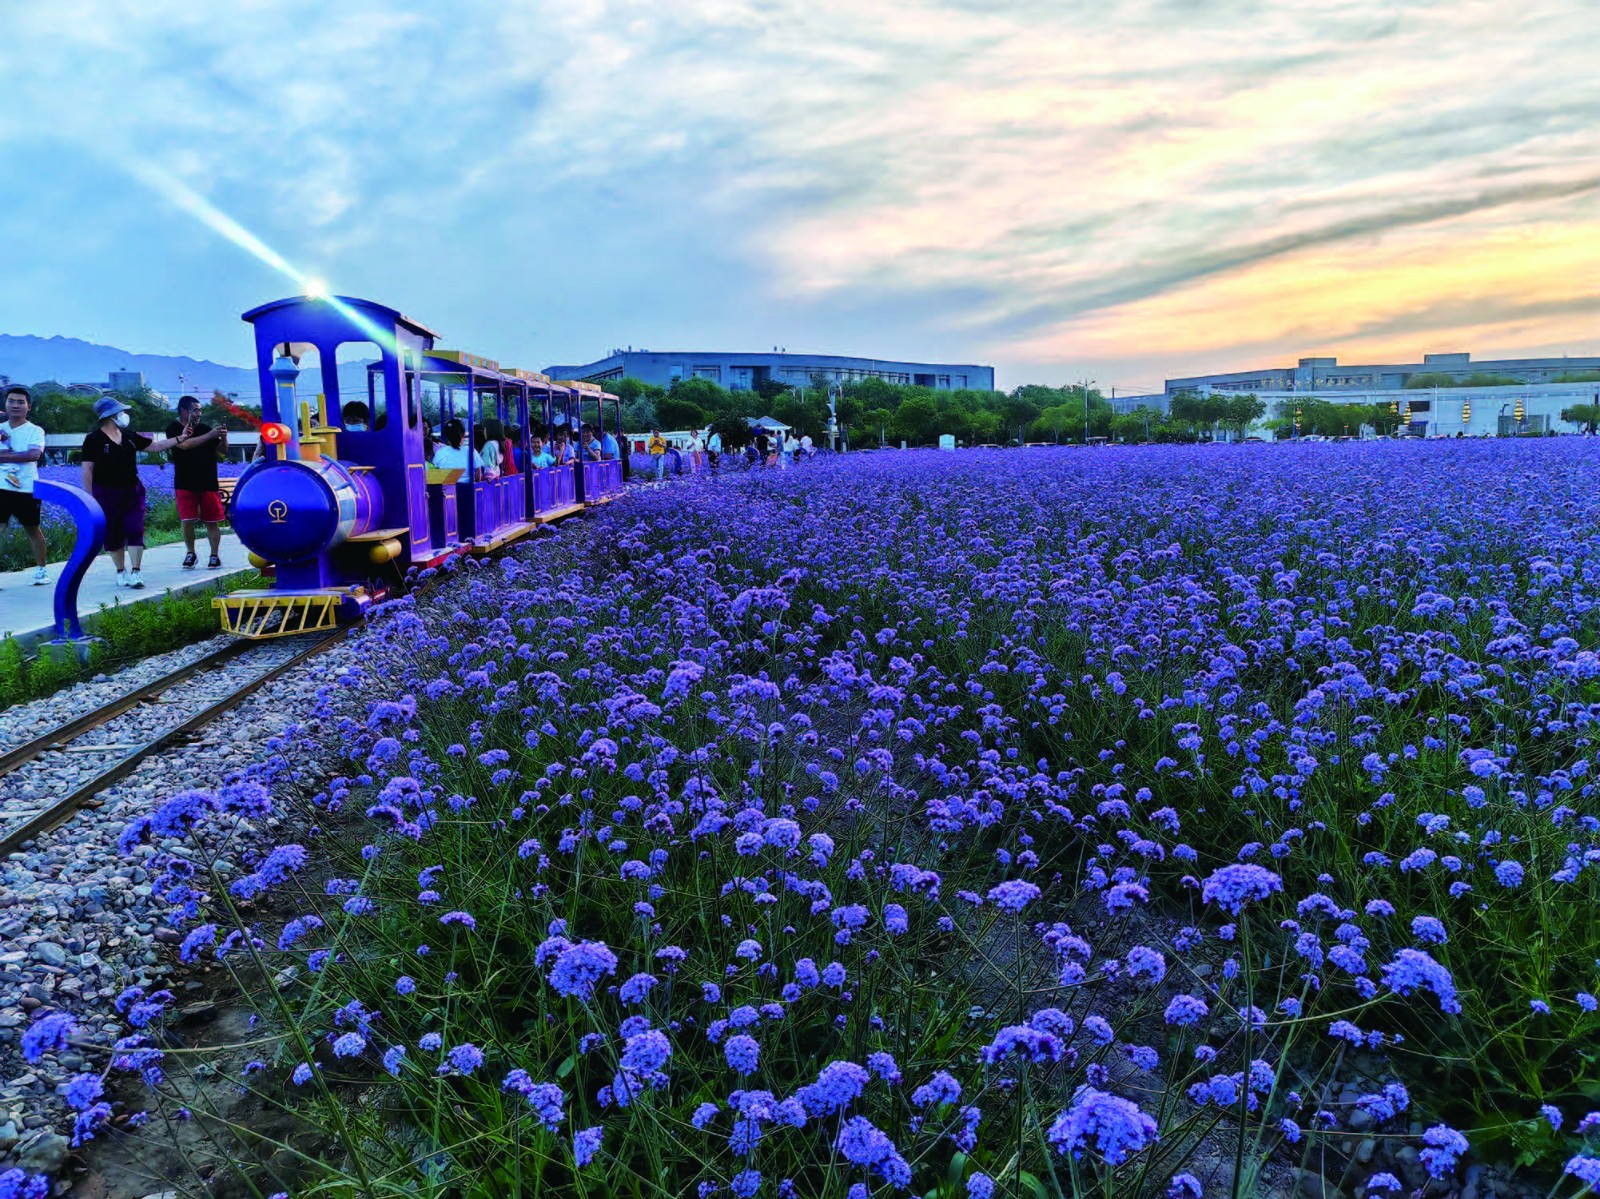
(1329, 375)
(746, 371)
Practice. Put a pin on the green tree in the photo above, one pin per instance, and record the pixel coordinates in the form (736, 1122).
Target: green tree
(676, 412)
(735, 431)
(1188, 409)
(987, 426)
(1242, 411)
(1056, 420)
(709, 397)
(1020, 410)
(805, 413)
(916, 420)
(1587, 415)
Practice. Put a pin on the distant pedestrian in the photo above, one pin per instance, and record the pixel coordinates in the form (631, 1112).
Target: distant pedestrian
(714, 448)
(763, 448)
(194, 479)
(697, 451)
(657, 446)
(807, 446)
(111, 474)
(21, 448)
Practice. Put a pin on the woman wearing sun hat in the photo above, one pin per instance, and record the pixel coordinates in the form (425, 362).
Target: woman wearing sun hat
(111, 474)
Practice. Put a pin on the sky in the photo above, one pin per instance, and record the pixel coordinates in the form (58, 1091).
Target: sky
(1119, 191)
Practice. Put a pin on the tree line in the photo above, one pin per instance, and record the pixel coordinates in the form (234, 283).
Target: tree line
(59, 410)
(875, 411)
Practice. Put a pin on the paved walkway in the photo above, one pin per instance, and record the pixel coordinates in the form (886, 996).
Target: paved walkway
(26, 611)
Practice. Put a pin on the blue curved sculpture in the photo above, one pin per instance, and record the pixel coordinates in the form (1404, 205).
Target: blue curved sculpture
(90, 522)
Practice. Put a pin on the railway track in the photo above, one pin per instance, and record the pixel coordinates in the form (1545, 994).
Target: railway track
(118, 737)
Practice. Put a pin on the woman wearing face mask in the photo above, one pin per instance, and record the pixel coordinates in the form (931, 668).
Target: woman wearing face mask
(111, 474)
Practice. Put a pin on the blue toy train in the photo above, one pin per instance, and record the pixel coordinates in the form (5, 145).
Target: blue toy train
(338, 515)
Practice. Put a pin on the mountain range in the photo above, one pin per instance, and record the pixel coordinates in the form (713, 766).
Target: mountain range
(29, 359)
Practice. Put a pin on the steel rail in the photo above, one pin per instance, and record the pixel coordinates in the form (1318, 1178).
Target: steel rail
(59, 736)
(62, 810)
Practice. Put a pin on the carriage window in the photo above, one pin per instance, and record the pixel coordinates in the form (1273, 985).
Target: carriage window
(363, 388)
(307, 385)
(409, 358)
(431, 394)
(486, 412)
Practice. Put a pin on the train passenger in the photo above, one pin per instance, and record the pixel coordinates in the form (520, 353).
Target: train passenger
(560, 450)
(590, 443)
(511, 456)
(21, 448)
(488, 450)
(194, 480)
(658, 452)
(609, 450)
(453, 454)
(538, 457)
(111, 474)
(355, 417)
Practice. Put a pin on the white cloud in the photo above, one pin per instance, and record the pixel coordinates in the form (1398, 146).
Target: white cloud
(1059, 171)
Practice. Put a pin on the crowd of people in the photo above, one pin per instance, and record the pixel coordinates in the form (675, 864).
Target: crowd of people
(109, 470)
(703, 450)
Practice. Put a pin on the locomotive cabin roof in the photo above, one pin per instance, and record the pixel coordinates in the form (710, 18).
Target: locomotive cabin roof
(394, 314)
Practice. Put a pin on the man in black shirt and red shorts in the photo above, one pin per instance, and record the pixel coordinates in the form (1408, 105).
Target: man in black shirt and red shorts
(194, 479)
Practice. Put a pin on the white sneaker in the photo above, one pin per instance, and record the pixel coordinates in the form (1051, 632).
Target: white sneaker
(122, 578)
(40, 576)
(134, 581)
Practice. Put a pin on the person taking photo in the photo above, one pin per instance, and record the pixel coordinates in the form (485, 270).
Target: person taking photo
(194, 479)
(111, 474)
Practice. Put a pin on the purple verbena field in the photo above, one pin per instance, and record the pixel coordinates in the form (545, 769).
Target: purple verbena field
(1166, 821)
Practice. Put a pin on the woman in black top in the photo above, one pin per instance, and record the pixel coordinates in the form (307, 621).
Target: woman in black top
(111, 474)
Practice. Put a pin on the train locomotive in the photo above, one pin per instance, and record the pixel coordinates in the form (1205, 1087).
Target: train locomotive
(339, 515)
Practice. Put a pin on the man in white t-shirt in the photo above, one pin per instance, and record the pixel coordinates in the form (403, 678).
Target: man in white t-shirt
(21, 448)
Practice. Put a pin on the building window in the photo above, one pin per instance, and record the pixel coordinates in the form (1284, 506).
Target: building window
(708, 372)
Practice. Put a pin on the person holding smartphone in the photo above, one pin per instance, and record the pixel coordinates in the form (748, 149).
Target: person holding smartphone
(194, 479)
